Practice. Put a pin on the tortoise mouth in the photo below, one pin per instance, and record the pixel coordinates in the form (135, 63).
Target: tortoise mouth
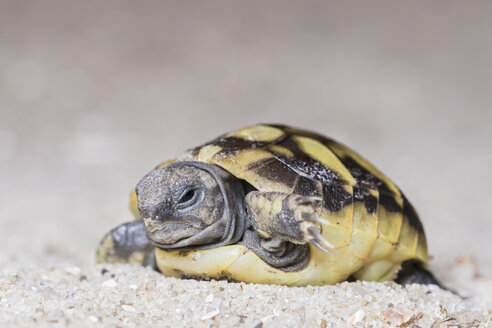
(165, 247)
(171, 234)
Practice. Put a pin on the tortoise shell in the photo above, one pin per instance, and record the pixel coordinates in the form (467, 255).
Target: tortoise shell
(371, 224)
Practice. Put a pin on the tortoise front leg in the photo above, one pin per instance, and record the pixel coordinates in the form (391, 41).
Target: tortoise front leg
(280, 218)
(127, 243)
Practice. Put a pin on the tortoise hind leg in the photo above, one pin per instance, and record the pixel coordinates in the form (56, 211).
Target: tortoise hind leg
(413, 272)
(127, 243)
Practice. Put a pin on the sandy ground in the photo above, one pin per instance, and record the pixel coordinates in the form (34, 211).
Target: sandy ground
(93, 96)
(119, 295)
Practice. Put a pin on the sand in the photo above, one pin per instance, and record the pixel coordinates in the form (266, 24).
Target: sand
(126, 296)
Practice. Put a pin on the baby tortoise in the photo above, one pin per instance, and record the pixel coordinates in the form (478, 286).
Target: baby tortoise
(272, 204)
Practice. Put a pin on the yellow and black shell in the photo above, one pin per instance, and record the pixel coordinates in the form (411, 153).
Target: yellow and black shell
(370, 223)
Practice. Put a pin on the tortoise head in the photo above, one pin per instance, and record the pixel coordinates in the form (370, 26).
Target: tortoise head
(191, 205)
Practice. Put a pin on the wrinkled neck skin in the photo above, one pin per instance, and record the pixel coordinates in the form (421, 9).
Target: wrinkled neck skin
(228, 229)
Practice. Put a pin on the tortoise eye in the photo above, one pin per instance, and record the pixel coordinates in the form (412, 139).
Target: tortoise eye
(189, 198)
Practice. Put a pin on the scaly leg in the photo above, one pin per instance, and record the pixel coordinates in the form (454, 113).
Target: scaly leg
(413, 272)
(280, 218)
(127, 243)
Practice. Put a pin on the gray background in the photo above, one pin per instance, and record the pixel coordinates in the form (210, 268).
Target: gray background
(94, 94)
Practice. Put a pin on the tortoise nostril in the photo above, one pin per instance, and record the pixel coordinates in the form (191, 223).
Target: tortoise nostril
(152, 212)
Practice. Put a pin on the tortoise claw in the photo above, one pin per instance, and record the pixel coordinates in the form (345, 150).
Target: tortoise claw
(318, 240)
(313, 217)
(319, 246)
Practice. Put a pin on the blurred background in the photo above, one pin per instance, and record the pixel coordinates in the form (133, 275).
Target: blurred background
(95, 94)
